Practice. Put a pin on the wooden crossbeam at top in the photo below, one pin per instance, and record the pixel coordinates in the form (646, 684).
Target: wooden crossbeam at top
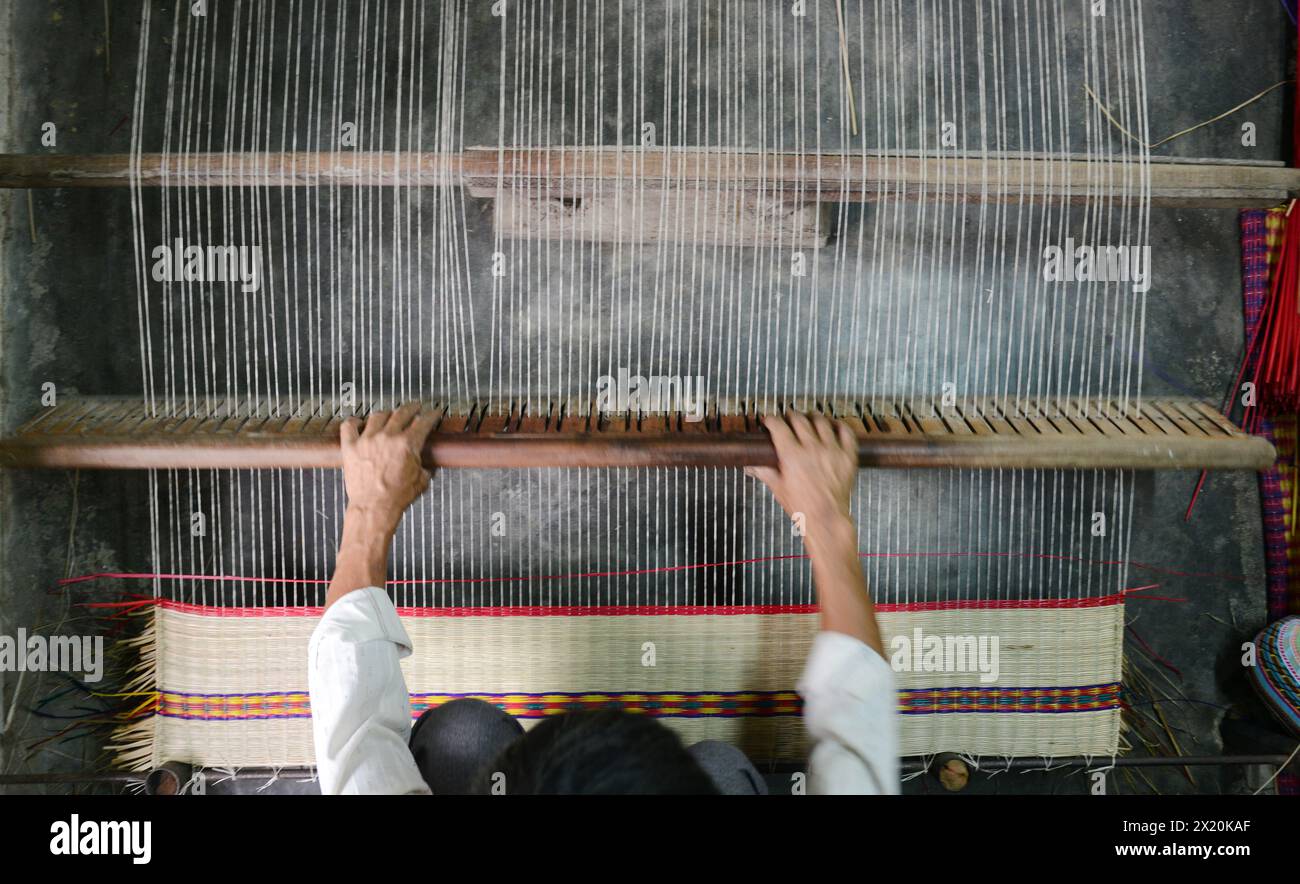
(575, 171)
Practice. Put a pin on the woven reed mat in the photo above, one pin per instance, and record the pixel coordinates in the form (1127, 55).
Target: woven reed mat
(231, 683)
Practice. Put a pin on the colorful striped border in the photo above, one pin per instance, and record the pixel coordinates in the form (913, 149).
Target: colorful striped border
(1087, 698)
(683, 704)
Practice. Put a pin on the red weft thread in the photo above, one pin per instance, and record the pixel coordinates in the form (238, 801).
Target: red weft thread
(1152, 653)
(1272, 357)
(1277, 382)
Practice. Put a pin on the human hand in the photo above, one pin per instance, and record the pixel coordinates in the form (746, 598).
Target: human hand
(817, 466)
(382, 471)
(813, 481)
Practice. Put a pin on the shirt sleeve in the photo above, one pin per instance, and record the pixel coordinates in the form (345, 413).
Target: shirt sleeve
(360, 709)
(850, 713)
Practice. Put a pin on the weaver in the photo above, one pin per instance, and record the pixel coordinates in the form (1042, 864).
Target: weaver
(841, 211)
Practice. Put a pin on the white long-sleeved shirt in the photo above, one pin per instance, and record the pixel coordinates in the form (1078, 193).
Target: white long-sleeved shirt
(361, 714)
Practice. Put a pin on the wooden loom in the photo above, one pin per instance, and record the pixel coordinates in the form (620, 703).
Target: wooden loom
(1065, 627)
(977, 434)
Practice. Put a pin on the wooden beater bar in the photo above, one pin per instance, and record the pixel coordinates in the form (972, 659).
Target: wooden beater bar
(576, 171)
(976, 434)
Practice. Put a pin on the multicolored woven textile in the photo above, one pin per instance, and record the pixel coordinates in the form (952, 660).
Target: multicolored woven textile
(1284, 437)
(1276, 673)
(1261, 235)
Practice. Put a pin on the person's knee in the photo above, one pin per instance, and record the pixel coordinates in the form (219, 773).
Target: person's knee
(729, 768)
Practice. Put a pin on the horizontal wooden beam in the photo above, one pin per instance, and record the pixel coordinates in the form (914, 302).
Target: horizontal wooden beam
(522, 451)
(301, 169)
(976, 434)
(574, 172)
(578, 172)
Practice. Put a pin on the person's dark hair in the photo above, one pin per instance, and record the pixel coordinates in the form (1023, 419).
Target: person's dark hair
(604, 752)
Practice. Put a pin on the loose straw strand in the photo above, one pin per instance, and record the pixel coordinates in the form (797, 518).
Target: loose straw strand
(1163, 141)
(844, 64)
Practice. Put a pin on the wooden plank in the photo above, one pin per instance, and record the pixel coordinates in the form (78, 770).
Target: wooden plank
(853, 177)
(302, 415)
(191, 421)
(974, 419)
(1057, 412)
(1212, 414)
(100, 411)
(1023, 425)
(508, 439)
(953, 420)
(922, 414)
(150, 427)
(1185, 424)
(625, 449)
(532, 424)
(865, 424)
(887, 417)
(495, 422)
(570, 417)
(328, 414)
(1139, 422)
(346, 168)
(734, 424)
(1108, 425)
(267, 416)
(1209, 426)
(454, 424)
(1157, 417)
(1073, 414)
(578, 171)
(992, 414)
(38, 423)
(522, 416)
(125, 415)
(232, 423)
(57, 419)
